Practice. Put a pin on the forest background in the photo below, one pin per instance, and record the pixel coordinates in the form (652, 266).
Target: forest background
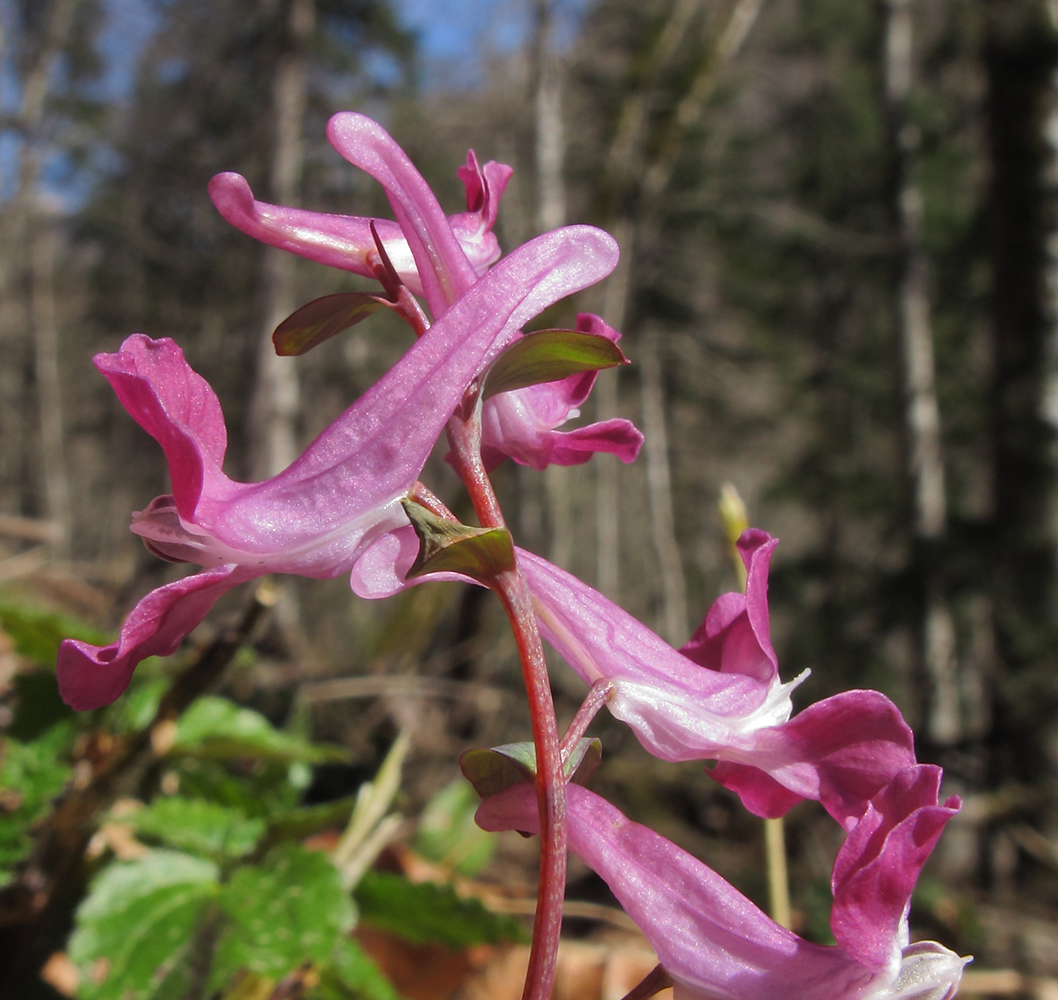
(839, 291)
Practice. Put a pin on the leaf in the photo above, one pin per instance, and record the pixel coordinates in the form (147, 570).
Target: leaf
(135, 928)
(290, 909)
(294, 824)
(425, 911)
(38, 705)
(215, 728)
(447, 546)
(31, 775)
(447, 832)
(497, 769)
(206, 829)
(547, 356)
(352, 974)
(322, 319)
(583, 760)
(37, 634)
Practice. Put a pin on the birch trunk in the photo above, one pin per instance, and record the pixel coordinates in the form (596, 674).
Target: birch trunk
(49, 388)
(659, 484)
(551, 214)
(1020, 57)
(15, 277)
(937, 668)
(638, 183)
(277, 394)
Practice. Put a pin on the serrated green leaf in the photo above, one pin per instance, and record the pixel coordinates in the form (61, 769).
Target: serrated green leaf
(322, 319)
(351, 974)
(137, 925)
(447, 546)
(547, 356)
(31, 775)
(447, 832)
(289, 909)
(425, 911)
(214, 728)
(207, 829)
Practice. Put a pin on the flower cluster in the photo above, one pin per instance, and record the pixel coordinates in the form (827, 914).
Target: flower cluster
(347, 506)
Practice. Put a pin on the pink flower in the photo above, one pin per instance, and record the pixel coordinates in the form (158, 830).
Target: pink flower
(440, 258)
(345, 241)
(717, 945)
(523, 424)
(318, 517)
(720, 696)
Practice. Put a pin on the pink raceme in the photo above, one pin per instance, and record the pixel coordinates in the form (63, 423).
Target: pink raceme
(317, 517)
(716, 944)
(438, 257)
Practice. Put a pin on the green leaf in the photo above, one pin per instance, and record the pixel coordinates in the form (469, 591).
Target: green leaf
(322, 319)
(31, 775)
(497, 769)
(37, 634)
(447, 546)
(351, 974)
(136, 709)
(547, 356)
(425, 911)
(290, 909)
(584, 760)
(136, 927)
(215, 728)
(295, 824)
(38, 705)
(447, 832)
(199, 827)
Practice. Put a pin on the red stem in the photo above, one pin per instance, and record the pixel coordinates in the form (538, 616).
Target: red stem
(598, 696)
(513, 592)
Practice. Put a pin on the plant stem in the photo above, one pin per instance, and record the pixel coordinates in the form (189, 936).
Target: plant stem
(550, 786)
(598, 696)
(464, 437)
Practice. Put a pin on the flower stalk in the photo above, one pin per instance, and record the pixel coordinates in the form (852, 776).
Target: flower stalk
(464, 436)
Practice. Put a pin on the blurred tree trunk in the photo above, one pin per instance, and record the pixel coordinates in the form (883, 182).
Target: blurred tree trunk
(936, 669)
(49, 385)
(659, 481)
(550, 156)
(639, 169)
(1019, 58)
(17, 464)
(623, 175)
(276, 395)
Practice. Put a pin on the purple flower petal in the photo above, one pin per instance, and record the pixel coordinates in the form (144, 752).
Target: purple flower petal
(522, 424)
(320, 515)
(714, 942)
(878, 865)
(840, 751)
(341, 241)
(720, 698)
(444, 270)
(92, 676)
